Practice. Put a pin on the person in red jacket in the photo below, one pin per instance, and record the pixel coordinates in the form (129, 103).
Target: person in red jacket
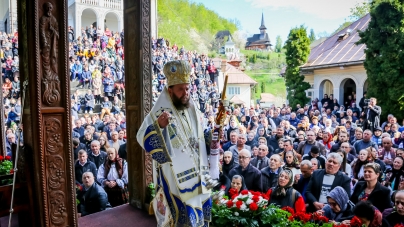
(284, 195)
(212, 71)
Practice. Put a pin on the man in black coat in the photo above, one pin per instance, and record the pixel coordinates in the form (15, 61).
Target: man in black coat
(324, 180)
(270, 173)
(77, 146)
(93, 198)
(83, 165)
(261, 161)
(372, 113)
(252, 176)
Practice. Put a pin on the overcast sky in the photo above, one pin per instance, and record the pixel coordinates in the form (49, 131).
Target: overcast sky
(282, 15)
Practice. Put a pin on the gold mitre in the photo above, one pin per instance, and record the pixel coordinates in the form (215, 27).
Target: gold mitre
(177, 72)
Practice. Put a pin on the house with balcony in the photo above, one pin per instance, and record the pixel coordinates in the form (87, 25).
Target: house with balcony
(99, 13)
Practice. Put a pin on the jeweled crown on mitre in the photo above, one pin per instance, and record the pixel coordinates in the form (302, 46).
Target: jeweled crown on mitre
(177, 72)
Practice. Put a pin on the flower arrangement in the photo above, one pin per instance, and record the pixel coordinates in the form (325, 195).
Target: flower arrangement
(6, 166)
(251, 209)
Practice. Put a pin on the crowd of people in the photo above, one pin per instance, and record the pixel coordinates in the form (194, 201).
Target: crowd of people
(333, 161)
(336, 159)
(10, 88)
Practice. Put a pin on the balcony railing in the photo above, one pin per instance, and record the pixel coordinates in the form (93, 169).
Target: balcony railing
(112, 4)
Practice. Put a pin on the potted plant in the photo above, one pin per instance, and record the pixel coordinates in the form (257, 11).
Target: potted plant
(6, 170)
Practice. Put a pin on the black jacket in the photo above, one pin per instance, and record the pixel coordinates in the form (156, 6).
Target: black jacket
(252, 177)
(100, 161)
(379, 197)
(315, 185)
(122, 151)
(269, 179)
(263, 164)
(93, 200)
(76, 150)
(88, 167)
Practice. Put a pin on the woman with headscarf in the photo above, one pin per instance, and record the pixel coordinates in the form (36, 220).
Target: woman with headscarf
(228, 163)
(113, 176)
(284, 194)
(237, 185)
(396, 175)
(338, 207)
(327, 141)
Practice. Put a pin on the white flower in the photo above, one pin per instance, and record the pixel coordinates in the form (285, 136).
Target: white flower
(243, 207)
(236, 213)
(249, 201)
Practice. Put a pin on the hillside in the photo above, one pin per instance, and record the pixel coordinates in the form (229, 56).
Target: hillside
(189, 24)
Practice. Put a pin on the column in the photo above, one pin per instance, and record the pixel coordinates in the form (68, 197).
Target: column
(359, 94)
(120, 22)
(153, 15)
(336, 93)
(46, 114)
(138, 74)
(77, 22)
(100, 20)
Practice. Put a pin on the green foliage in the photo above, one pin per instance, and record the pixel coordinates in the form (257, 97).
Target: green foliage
(5, 167)
(190, 24)
(297, 52)
(342, 26)
(312, 36)
(262, 87)
(360, 10)
(278, 45)
(384, 64)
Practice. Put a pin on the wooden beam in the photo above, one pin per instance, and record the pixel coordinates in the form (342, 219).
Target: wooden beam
(47, 125)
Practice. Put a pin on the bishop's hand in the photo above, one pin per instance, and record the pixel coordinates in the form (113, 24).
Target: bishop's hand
(163, 119)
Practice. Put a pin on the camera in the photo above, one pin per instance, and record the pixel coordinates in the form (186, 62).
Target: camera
(366, 101)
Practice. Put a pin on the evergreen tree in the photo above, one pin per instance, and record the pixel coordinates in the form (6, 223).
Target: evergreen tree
(384, 64)
(312, 36)
(278, 45)
(297, 52)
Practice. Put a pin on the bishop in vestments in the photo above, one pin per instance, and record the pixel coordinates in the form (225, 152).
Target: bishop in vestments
(173, 134)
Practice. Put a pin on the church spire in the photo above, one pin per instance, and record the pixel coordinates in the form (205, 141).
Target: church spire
(262, 27)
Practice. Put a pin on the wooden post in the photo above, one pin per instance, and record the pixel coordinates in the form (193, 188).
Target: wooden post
(138, 92)
(47, 125)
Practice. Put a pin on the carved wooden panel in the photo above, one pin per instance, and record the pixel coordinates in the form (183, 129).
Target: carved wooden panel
(47, 124)
(147, 78)
(138, 88)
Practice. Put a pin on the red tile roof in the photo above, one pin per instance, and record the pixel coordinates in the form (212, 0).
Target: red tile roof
(335, 52)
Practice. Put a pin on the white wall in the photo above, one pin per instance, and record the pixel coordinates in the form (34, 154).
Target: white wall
(245, 93)
(87, 21)
(112, 22)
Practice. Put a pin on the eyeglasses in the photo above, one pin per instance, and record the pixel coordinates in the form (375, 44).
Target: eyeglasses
(344, 147)
(333, 204)
(242, 157)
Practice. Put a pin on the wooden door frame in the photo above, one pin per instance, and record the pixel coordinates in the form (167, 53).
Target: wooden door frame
(47, 123)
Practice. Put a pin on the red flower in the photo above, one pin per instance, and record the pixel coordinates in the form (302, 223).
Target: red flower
(291, 218)
(399, 225)
(289, 209)
(244, 192)
(8, 158)
(239, 203)
(302, 217)
(253, 207)
(11, 171)
(1, 157)
(233, 192)
(229, 204)
(356, 222)
(256, 198)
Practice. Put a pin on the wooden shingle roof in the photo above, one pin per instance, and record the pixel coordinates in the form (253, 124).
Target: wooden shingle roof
(340, 48)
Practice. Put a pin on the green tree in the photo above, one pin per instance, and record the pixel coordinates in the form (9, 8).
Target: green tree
(254, 58)
(360, 10)
(384, 64)
(278, 45)
(312, 36)
(297, 52)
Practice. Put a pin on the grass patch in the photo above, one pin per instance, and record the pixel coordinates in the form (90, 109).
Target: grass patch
(267, 83)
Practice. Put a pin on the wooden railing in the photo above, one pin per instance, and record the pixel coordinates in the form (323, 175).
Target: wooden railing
(112, 4)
